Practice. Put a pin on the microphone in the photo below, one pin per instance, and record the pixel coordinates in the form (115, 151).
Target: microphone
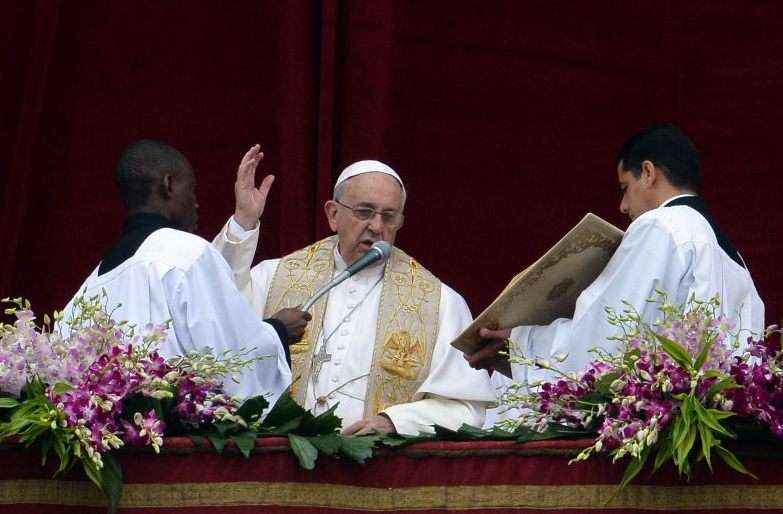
(380, 250)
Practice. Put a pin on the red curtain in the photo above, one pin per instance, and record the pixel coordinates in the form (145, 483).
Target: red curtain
(503, 118)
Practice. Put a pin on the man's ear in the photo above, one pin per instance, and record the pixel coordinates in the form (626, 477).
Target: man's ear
(331, 208)
(649, 173)
(166, 186)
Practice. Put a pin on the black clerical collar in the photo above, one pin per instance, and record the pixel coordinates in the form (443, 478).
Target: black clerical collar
(699, 205)
(135, 230)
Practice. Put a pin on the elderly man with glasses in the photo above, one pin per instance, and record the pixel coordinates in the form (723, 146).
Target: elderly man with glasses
(377, 347)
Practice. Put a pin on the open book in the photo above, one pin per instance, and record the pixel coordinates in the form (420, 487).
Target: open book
(549, 287)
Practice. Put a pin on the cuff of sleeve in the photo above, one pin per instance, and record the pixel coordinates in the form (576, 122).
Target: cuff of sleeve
(521, 340)
(282, 333)
(403, 424)
(236, 233)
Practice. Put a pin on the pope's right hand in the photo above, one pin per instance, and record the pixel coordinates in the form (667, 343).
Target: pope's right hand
(250, 200)
(489, 356)
(295, 321)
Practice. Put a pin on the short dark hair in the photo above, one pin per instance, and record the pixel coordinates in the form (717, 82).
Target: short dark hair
(141, 166)
(669, 149)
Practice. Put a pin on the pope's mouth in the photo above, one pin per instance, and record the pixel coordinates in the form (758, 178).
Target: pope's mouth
(366, 244)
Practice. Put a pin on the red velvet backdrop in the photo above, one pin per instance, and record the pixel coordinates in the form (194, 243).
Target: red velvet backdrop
(503, 118)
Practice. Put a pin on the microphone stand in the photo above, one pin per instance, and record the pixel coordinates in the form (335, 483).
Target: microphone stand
(324, 289)
(380, 251)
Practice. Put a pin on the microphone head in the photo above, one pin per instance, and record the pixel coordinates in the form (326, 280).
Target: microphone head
(383, 247)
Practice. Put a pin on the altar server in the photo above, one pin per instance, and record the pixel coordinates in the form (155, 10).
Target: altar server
(378, 346)
(673, 244)
(159, 270)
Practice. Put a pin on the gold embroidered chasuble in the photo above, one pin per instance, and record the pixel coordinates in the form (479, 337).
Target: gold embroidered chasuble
(406, 330)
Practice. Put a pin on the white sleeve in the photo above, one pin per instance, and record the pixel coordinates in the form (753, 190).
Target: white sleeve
(238, 247)
(647, 260)
(208, 311)
(453, 393)
(420, 416)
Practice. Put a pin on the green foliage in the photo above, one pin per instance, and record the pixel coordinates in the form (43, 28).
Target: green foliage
(676, 352)
(252, 408)
(304, 450)
(245, 441)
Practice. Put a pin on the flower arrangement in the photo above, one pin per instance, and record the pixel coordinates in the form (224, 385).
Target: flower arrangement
(86, 386)
(669, 392)
(92, 385)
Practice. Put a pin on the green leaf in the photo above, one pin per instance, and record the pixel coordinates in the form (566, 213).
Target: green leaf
(304, 450)
(223, 427)
(665, 451)
(7, 402)
(245, 441)
(359, 448)
(707, 344)
(46, 447)
(631, 470)
(523, 434)
(218, 440)
(720, 414)
(676, 352)
(92, 472)
(108, 479)
(684, 449)
(324, 423)
(34, 388)
(682, 424)
(327, 443)
(470, 432)
(111, 478)
(603, 383)
(286, 428)
(708, 419)
(719, 386)
(252, 408)
(396, 440)
(733, 462)
(283, 412)
(62, 449)
(705, 435)
(634, 467)
(62, 387)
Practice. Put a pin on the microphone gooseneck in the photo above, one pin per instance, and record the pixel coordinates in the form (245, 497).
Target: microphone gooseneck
(380, 250)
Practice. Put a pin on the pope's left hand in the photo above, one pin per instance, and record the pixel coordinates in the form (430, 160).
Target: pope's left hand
(372, 425)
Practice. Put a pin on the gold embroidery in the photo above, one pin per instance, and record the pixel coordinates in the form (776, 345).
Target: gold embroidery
(297, 277)
(403, 355)
(303, 495)
(406, 330)
(408, 326)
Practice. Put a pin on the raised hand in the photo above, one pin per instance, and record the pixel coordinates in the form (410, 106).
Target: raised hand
(250, 200)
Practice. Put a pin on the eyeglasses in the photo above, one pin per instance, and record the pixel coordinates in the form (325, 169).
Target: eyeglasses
(389, 218)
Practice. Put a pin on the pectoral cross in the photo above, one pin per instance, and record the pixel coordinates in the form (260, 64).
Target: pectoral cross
(318, 361)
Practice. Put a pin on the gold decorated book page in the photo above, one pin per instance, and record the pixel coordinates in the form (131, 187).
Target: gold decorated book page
(548, 288)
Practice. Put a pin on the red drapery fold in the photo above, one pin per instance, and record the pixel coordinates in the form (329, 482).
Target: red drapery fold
(503, 118)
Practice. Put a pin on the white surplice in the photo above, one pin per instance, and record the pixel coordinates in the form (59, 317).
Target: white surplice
(452, 393)
(671, 249)
(177, 276)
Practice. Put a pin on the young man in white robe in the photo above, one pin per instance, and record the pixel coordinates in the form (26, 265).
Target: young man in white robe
(672, 245)
(160, 271)
(378, 346)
